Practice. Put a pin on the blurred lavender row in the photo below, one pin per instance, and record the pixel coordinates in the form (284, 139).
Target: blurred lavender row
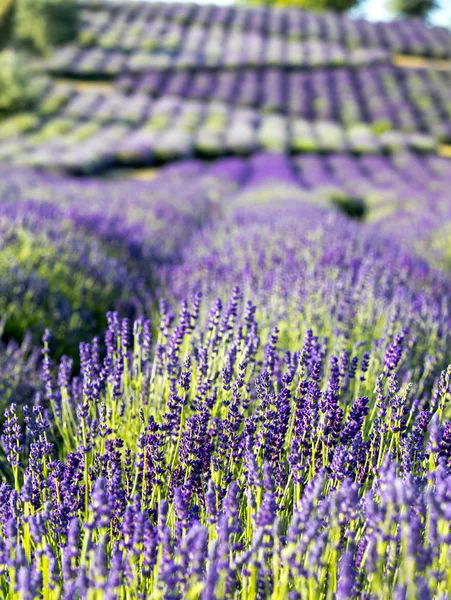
(234, 53)
(136, 25)
(114, 256)
(70, 250)
(95, 132)
(385, 96)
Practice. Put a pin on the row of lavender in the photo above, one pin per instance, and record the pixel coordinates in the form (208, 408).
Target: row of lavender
(385, 96)
(135, 24)
(401, 177)
(68, 249)
(93, 132)
(234, 52)
(290, 438)
(71, 249)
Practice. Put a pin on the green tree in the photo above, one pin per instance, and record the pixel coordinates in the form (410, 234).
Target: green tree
(41, 24)
(412, 8)
(15, 90)
(336, 5)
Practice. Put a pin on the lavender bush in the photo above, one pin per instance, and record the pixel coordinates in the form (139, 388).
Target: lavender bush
(68, 253)
(96, 132)
(53, 274)
(289, 441)
(214, 462)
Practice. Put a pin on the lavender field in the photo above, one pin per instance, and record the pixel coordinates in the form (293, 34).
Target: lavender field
(225, 309)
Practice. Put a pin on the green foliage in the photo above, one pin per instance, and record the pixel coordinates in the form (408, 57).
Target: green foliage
(412, 8)
(336, 5)
(437, 247)
(352, 206)
(53, 129)
(15, 90)
(381, 126)
(41, 24)
(17, 125)
(6, 22)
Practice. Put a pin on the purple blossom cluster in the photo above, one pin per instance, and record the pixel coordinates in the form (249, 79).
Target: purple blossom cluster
(295, 257)
(291, 434)
(284, 429)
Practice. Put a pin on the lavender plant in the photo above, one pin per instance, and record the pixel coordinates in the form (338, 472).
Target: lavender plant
(292, 440)
(68, 253)
(53, 273)
(214, 462)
